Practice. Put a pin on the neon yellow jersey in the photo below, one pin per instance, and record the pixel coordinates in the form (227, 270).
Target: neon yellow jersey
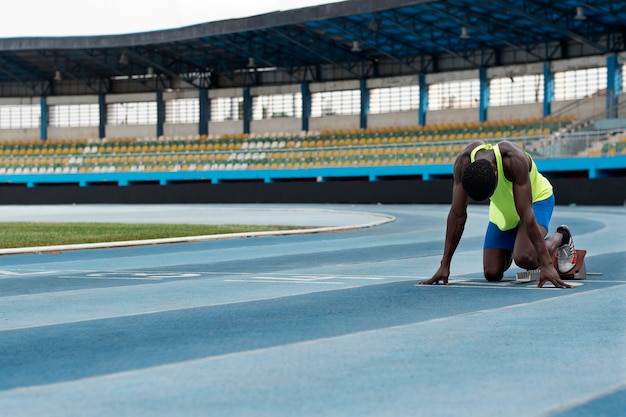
(502, 211)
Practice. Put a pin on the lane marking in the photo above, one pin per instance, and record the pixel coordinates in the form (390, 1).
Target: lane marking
(309, 278)
(274, 281)
(583, 400)
(6, 274)
(141, 276)
(460, 283)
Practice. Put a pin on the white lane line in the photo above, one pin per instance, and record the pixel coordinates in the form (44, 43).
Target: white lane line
(6, 274)
(142, 276)
(583, 400)
(276, 280)
(309, 279)
(505, 285)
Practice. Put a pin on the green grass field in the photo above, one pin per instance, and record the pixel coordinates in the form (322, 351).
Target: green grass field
(21, 235)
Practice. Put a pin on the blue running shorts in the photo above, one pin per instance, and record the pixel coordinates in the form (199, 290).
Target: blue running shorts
(497, 239)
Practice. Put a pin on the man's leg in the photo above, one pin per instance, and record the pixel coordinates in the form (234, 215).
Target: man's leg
(495, 262)
(497, 252)
(524, 253)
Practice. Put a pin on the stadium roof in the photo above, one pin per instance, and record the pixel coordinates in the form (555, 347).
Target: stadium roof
(350, 39)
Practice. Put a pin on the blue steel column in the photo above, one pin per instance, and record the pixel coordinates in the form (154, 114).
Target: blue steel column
(205, 112)
(484, 95)
(102, 123)
(423, 107)
(247, 109)
(613, 86)
(306, 106)
(160, 113)
(44, 118)
(548, 89)
(365, 103)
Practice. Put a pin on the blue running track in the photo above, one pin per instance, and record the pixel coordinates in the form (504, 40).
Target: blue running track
(308, 324)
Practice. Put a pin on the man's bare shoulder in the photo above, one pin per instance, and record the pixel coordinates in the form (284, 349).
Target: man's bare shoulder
(510, 149)
(516, 163)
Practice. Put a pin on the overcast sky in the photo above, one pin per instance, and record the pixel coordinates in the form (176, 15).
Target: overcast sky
(103, 17)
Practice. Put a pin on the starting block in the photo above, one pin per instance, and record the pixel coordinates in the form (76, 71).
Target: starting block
(578, 272)
(527, 276)
(580, 269)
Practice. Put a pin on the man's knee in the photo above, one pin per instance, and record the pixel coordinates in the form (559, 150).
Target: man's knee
(526, 261)
(493, 275)
(495, 262)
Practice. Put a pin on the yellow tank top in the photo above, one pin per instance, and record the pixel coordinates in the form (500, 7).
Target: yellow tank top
(502, 211)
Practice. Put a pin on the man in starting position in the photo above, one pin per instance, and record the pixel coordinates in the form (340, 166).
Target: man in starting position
(521, 205)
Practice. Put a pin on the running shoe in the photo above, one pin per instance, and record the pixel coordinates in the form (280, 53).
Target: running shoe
(566, 253)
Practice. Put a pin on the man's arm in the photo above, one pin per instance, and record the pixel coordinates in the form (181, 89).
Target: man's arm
(516, 166)
(455, 223)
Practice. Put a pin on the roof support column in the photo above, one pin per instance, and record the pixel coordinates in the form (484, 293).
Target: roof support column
(484, 95)
(45, 116)
(613, 86)
(247, 109)
(548, 89)
(306, 105)
(365, 103)
(102, 123)
(423, 106)
(160, 113)
(205, 111)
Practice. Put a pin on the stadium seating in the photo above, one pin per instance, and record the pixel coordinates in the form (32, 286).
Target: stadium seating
(615, 146)
(412, 145)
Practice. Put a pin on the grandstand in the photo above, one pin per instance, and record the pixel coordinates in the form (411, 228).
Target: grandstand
(356, 101)
(368, 147)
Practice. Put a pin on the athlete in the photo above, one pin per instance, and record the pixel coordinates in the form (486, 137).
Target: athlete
(520, 208)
